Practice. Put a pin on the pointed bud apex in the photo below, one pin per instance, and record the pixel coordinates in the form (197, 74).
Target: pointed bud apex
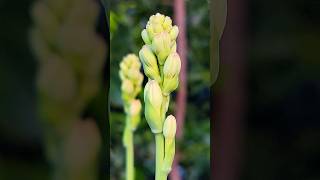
(172, 66)
(153, 101)
(149, 62)
(167, 24)
(145, 36)
(170, 127)
(174, 33)
(161, 45)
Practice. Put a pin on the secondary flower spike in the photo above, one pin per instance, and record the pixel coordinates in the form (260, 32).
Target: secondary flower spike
(131, 78)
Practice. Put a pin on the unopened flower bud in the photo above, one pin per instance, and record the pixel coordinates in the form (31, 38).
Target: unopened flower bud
(127, 86)
(170, 127)
(169, 85)
(145, 36)
(167, 23)
(134, 75)
(161, 45)
(174, 33)
(149, 62)
(153, 101)
(135, 109)
(172, 66)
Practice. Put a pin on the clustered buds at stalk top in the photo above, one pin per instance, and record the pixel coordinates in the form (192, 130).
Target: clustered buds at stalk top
(131, 77)
(160, 39)
(153, 101)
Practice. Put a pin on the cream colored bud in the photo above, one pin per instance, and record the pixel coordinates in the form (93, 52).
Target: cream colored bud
(127, 86)
(169, 127)
(134, 74)
(169, 85)
(167, 24)
(153, 93)
(174, 33)
(172, 66)
(150, 31)
(150, 65)
(145, 36)
(135, 107)
(161, 45)
(153, 101)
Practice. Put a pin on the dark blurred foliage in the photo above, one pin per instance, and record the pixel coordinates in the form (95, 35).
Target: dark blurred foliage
(282, 139)
(22, 153)
(127, 19)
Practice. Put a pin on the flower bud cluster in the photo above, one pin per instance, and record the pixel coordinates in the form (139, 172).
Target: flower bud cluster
(161, 64)
(131, 77)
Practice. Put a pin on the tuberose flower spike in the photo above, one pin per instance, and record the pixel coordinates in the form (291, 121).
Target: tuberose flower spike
(161, 64)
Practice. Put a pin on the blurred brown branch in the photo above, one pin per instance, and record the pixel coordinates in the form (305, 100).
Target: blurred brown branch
(179, 17)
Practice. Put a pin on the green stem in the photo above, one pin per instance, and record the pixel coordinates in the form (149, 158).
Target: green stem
(159, 156)
(130, 156)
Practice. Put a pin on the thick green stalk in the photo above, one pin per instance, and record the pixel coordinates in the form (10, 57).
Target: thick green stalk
(129, 156)
(159, 156)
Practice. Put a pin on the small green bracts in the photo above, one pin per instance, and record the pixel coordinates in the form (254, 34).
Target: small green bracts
(161, 64)
(131, 78)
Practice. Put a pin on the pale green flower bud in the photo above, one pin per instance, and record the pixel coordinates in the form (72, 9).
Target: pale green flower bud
(150, 31)
(135, 109)
(145, 36)
(167, 24)
(134, 75)
(149, 62)
(172, 66)
(127, 86)
(174, 33)
(153, 101)
(169, 131)
(170, 127)
(161, 45)
(169, 85)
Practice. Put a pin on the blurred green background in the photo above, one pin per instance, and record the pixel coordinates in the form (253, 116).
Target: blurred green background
(127, 20)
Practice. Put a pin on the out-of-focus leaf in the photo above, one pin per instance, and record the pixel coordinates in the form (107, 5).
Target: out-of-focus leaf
(218, 21)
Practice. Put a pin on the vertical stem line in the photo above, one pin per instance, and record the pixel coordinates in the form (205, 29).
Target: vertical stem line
(130, 156)
(159, 155)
